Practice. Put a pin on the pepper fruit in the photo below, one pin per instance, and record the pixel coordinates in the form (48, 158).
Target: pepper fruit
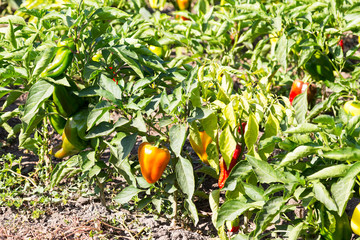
(153, 161)
(183, 4)
(233, 226)
(341, 44)
(56, 120)
(224, 171)
(66, 102)
(335, 227)
(62, 59)
(320, 67)
(201, 149)
(299, 87)
(159, 51)
(355, 220)
(352, 107)
(72, 142)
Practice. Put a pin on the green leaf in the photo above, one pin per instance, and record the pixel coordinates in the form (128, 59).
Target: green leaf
(105, 128)
(234, 208)
(14, 19)
(109, 13)
(63, 169)
(269, 211)
(300, 105)
(227, 144)
(325, 119)
(252, 132)
(343, 189)
(177, 138)
(304, 128)
(190, 206)
(38, 93)
(44, 61)
(272, 128)
(338, 170)
(264, 171)
(297, 153)
(214, 199)
(127, 194)
(323, 196)
(344, 154)
(240, 170)
(10, 35)
(139, 123)
(294, 234)
(123, 145)
(185, 176)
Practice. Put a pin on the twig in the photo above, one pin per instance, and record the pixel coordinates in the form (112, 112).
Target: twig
(20, 175)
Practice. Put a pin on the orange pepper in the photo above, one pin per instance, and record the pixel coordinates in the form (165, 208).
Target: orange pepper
(153, 161)
(183, 4)
(201, 149)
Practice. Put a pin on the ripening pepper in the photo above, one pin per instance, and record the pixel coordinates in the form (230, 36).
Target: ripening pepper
(72, 136)
(153, 161)
(66, 102)
(299, 87)
(352, 107)
(183, 4)
(320, 67)
(233, 226)
(201, 149)
(62, 59)
(224, 171)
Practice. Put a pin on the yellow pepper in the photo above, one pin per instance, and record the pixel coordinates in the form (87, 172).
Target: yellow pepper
(201, 149)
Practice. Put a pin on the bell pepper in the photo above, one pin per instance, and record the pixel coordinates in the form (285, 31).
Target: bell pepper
(66, 102)
(299, 87)
(72, 136)
(352, 107)
(201, 149)
(62, 59)
(183, 4)
(153, 161)
(233, 226)
(56, 120)
(320, 67)
(157, 50)
(355, 220)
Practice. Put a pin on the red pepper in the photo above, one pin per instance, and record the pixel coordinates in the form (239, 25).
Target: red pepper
(299, 87)
(341, 44)
(233, 226)
(224, 171)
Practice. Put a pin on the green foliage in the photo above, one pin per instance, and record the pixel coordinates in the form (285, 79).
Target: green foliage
(228, 64)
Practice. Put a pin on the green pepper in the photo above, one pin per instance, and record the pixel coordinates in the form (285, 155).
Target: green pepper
(334, 227)
(66, 102)
(320, 67)
(56, 120)
(62, 59)
(72, 136)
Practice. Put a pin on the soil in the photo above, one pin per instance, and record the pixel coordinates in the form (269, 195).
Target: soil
(82, 218)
